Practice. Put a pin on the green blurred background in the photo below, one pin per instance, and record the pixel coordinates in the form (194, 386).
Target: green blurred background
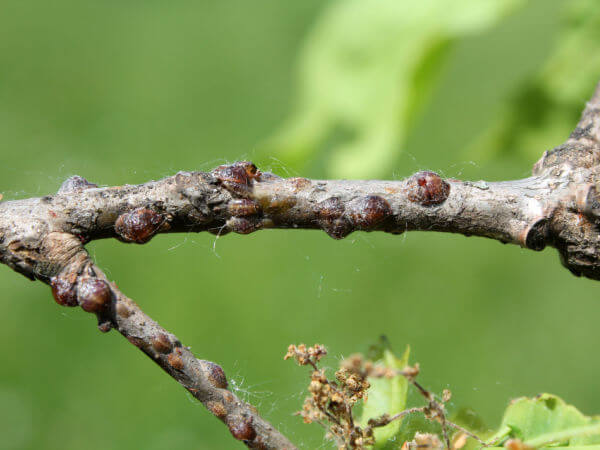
(127, 91)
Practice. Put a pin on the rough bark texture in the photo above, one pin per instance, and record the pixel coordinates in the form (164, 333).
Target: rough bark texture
(43, 238)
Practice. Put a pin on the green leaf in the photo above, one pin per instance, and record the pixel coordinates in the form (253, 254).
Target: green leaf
(546, 420)
(386, 396)
(542, 111)
(471, 420)
(366, 70)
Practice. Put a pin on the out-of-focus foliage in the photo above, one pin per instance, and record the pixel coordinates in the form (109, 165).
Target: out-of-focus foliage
(367, 69)
(547, 420)
(536, 115)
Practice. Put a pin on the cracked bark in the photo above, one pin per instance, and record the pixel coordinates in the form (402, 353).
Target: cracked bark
(43, 238)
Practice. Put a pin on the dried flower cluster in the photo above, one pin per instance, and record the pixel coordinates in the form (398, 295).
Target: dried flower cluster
(424, 441)
(331, 402)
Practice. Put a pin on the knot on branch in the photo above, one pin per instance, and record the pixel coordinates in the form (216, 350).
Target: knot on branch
(582, 149)
(570, 155)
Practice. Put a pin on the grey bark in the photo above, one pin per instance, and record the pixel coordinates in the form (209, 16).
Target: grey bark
(43, 238)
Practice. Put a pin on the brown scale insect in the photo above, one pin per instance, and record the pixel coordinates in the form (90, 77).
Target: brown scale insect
(94, 295)
(237, 177)
(161, 343)
(228, 397)
(330, 213)
(370, 211)
(175, 361)
(215, 374)
(64, 291)
(241, 428)
(139, 225)
(427, 188)
(241, 225)
(217, 408)
(243, 208)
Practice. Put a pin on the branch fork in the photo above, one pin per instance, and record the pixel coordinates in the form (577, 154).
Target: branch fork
(43, 238)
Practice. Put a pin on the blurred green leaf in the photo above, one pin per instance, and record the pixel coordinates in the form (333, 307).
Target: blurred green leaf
(387, 396)
(367, 68)
(543, 111)
(547, 419)
(471, 420)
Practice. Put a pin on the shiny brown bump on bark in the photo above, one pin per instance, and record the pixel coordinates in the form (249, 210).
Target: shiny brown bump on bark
(215, 374)
(94, 295)
(337, 228)
(139, 225)
(427, 188)
(330, 213)
(243, 207)
(237, 177)
(241, 428)
(161, 343)
(75, 183)
(241, 225)
(370, 211)
(64, 291)
(330, 208)
(217, 408)
(175, 361)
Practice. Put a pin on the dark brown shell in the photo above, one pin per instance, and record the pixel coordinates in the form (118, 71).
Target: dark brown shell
(427, 188)
(175, 361)
(370, 211)
(215, 374)
(161, 343)
(242, 225)
(241, 428)
(94, 295)
(239, 172)
(64, 291)
(139, 225)
(330, 213)
(237, 177)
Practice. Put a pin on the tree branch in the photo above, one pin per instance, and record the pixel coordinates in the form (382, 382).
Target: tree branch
(43, 238)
